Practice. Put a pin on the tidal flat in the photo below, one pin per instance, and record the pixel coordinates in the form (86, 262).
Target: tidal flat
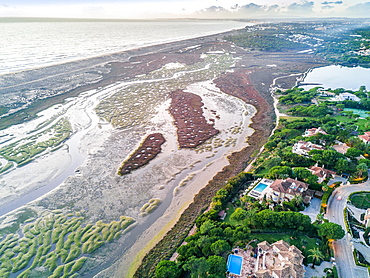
(107, 122)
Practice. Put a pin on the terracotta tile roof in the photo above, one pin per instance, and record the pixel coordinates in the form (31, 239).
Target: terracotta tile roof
(365, 137)
(341, 148)
(321, 172)
(289, 186)
(264, 245)
(279, 260)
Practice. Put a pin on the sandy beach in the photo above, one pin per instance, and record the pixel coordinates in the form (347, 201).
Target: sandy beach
(111, 118)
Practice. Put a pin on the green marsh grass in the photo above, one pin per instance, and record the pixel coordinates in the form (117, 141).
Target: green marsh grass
(72, 240)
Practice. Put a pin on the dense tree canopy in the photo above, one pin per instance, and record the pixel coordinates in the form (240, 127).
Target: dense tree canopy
(330, 230)
(239, 215)
(167, 269)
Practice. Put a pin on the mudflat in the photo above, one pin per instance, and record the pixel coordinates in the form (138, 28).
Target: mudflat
(113, 104)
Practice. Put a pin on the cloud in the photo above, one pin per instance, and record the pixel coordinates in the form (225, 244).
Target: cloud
(304, 7)
(359, 10)
(250, 10)
(332, 3)
(327, 7)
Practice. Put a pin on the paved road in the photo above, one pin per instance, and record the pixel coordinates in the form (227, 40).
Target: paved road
(343, 248)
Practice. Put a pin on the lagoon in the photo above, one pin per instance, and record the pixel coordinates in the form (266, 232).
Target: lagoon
(336, 76)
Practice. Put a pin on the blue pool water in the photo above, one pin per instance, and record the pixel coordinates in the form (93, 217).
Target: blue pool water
(234, 264)
(260, 187)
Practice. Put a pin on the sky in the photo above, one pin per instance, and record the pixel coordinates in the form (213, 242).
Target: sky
(130, 9)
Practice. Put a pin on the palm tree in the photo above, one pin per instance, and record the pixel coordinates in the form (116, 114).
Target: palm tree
(315, 255)
(320, 218)
(297, 200)
(361, 168)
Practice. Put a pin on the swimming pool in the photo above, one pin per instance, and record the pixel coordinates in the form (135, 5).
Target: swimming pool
(260, 187)
(234, 264)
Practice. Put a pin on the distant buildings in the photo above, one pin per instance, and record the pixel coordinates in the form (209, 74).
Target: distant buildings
(365, 138)
(303, 148)
(313, 131)
(321, 173)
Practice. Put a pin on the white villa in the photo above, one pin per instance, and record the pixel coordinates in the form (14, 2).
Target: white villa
(347, 96)
(313, 131)
(303, 148)
(285, 190)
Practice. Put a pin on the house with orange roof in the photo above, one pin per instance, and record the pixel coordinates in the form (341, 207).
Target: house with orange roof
(365, 138)
(322, 173)
(341, 147)
(285, 190)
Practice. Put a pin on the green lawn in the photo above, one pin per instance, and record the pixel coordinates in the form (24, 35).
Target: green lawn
(361, 200)
(344, 119)
(291, 119)
(301, 241)
(262, 171)
(363, 124)
(229, 210)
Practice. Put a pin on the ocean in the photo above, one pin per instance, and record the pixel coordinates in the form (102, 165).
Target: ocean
(27, 43)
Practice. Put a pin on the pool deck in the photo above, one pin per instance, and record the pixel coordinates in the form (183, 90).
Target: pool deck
(248, 264)
(266, 183)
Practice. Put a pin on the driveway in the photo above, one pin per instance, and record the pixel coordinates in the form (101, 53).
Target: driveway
(343, 248)
(313, 209)
(318, 271)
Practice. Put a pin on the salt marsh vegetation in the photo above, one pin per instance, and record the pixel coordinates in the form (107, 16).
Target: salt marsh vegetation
(55, 245)
(215, 143)
(25, 150)
(150, 206)
(124, 109)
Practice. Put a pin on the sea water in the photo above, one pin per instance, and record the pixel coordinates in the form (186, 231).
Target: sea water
(31, 43)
